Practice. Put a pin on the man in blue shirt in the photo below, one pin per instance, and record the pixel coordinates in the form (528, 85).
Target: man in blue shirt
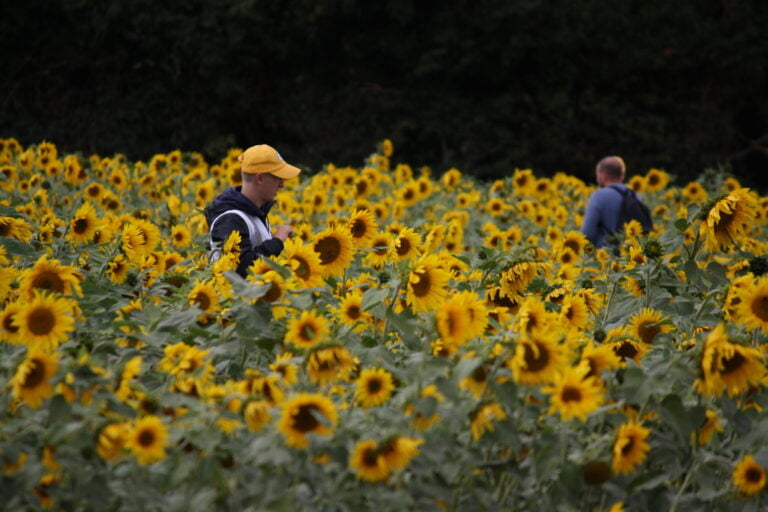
(601, 218)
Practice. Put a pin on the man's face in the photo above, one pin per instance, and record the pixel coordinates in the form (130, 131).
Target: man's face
(270, 184)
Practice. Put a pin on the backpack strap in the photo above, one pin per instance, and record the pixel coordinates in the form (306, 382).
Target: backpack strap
(257, 231)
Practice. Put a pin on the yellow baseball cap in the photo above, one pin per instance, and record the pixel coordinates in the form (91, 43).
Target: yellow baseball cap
(262, 158)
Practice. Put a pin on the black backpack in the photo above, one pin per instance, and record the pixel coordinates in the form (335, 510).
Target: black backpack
(632, 208)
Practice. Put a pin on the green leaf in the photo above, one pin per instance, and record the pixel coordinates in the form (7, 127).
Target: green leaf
(17, 248)
(58, 410)
(682, 224)
(373, 297)
(683, 420)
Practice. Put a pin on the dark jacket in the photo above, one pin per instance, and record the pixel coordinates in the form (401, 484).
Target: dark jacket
(233, 199)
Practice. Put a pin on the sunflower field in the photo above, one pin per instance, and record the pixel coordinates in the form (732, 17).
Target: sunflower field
(425, 341)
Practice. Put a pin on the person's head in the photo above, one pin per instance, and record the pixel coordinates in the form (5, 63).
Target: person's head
(610, 169)
(263, 171)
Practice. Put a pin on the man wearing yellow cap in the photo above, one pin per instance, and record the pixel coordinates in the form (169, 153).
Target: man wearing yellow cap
(245, 208)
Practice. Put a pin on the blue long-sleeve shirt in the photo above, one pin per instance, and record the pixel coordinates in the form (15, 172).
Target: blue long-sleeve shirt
(602, 215)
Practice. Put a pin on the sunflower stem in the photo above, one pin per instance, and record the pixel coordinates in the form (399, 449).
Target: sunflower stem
(608, 304)
(679, 494)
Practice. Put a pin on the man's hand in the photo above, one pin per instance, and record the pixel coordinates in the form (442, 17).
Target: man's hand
(283, 232)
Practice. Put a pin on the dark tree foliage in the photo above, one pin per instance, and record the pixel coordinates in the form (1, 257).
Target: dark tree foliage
(483, 85)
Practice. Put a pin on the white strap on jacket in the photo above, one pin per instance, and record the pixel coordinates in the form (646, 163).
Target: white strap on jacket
(258, 231)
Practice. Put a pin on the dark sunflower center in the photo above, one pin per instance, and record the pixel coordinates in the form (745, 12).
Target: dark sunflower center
(35, 376)
(302, 269)
(202, 300)
(41, 321)
(627, 448)
(273, 294)
(304, 420)
(408, 195)
(329, 249)
(626, 350)
(146, 438)
(370, 458)
(653, 180)
(648, 331)
(358, 228)
(593, 368)
(374, 386)
(596, 472)
(353, 312)
(732, 364)
(422, 287)
(361, 186)
(760, 307)
(570, 394)
(380, 248)
(307, 332)
(480, 374)
(81, 226)
(8, 324)
(93, 191)
(451, 323)
(722, 225)
(535, 362)
(573, 245)
(403, 246)
(5, 228)
(753, 475)
(50, 281)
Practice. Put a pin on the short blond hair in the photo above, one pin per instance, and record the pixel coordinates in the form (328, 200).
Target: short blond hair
(613, 166)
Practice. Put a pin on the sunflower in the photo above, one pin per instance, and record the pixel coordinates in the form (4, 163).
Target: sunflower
(257, 415)
(537, 359)
(523, 181)
(452, 319)
(131, 369)
(373, 387)
(305, 263)
(17, 228)
(369, 464)
(307, 330)
(646, 324)
(711, 425)
(350, 311)
(117, 269)
(477, 381)
(181, 236)
(752, 306)
(427, 283)
(284, 367)
(277, 287)
(574, 313)
(419, 421)
(83, 225)
(656, 180)
(306, 413)
(748, 476)
(204, 296)
(574, 394)
(627, 348)
(399, 450)
(31, 382)
(728, 366)
(483, 417)
(599, 359)
(45, 322)
(533, 317)
(382, 250)
(329, 364)
(148, 439)
(335, 249)
(362, 225)
(111, 440)
(516, 278)
(728, 219)
(630, 447)
(9, 331)
(49, 276)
